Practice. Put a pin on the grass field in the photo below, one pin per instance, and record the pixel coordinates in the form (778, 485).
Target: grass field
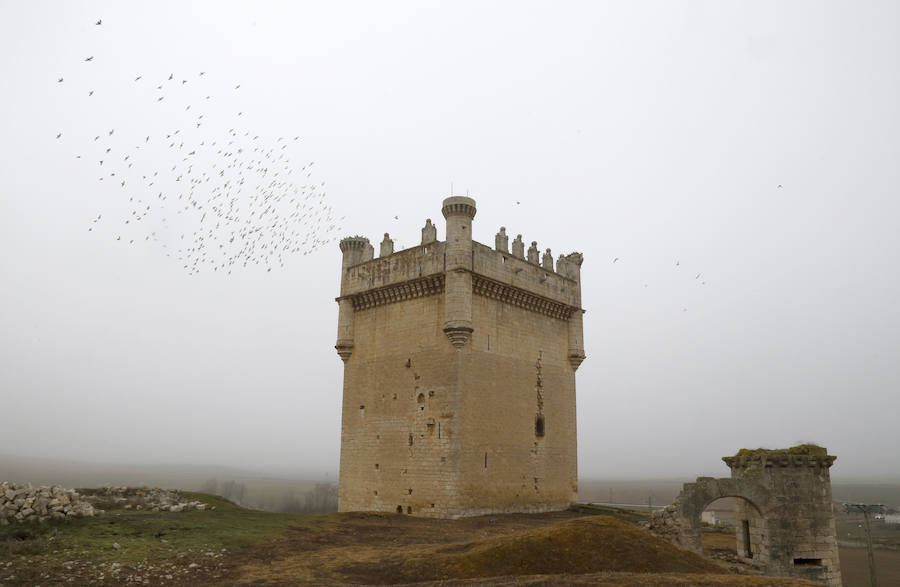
(232, 545)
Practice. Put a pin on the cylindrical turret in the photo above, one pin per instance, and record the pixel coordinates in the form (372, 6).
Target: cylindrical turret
(356, 250)
(459, 212)
(572, 265)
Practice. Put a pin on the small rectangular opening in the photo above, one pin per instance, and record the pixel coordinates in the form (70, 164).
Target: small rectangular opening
(745, 532)
(485, 460)
(807, 562)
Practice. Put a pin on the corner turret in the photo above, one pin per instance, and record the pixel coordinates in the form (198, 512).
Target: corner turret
(459, 212)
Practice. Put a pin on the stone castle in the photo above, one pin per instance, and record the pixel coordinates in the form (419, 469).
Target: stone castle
(459, 374)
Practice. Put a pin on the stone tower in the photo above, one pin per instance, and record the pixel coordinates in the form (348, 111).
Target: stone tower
(793, 532)
(459, 374)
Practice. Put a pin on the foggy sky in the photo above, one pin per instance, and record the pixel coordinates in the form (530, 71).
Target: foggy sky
(657, 133)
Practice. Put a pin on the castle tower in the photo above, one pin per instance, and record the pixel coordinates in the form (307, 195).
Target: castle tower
(459, 375)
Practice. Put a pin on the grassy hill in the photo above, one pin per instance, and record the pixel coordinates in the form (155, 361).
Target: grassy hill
(232, 545)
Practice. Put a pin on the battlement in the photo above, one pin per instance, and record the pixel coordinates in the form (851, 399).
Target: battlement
(395, 268)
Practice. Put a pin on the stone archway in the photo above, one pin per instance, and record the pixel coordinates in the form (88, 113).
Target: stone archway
(680, 521)
(785, 521)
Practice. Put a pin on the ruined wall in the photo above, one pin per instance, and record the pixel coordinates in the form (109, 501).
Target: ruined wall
(459, 375)
(784, 520)
(796, 533)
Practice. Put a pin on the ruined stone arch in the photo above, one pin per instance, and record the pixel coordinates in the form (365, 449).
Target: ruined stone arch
(784, 517)
(685, 511)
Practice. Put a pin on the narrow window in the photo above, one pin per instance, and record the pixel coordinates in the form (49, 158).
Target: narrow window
(439, 429)
(485, 460)
(362, 411)
(489, 342)
(539, 426)
(410, 439)
(807, 562)
(408, 510)
(376, 466)
(399, 509)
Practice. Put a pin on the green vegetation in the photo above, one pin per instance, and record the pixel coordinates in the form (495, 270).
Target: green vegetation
(129, 540)
(800, 449)
(232, 545)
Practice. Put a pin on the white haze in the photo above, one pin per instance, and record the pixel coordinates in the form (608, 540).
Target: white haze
(654, 133)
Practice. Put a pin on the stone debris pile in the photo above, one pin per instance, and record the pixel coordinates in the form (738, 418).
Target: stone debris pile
(141, 498)
(24, 503)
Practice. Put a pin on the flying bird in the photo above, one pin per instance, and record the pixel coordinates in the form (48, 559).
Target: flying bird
(59, 135)
(779, 186)
(91, 93)
(59, 80)
(99, 22)
(91, 58)
(698, 276)
(616, 259)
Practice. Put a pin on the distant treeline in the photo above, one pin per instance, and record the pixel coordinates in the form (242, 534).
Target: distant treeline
(320, 497)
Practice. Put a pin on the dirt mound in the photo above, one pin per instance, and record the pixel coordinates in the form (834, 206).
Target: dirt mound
(584, 545)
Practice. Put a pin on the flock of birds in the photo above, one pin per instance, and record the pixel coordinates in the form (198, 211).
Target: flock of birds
(212, 201)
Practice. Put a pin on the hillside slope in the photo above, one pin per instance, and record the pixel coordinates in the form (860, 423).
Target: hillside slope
(230, 545)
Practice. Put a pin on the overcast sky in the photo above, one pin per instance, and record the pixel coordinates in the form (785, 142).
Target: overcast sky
(755, 144)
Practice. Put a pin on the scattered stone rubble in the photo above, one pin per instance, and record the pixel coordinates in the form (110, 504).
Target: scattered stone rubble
(21, 503)
(24, 503)
(140, 498)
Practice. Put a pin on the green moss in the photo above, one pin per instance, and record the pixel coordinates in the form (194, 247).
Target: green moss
(800, 449)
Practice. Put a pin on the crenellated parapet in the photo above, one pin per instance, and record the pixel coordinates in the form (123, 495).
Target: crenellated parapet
(429, 232)
(387, 246)
(459, 268)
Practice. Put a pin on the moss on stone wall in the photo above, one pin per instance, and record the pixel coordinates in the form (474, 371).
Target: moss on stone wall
(800, 449)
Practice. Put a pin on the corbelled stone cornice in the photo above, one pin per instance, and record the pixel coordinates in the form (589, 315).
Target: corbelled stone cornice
(515, 296)
(397, 292)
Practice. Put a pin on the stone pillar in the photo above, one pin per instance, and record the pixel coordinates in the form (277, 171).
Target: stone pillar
(547, 261)
(387, 246)
(501, 241)
(533, 253)
(518, 247)
(797, 537)
(572, 265)
(355, 250)
(459, 212)
(429, 232)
